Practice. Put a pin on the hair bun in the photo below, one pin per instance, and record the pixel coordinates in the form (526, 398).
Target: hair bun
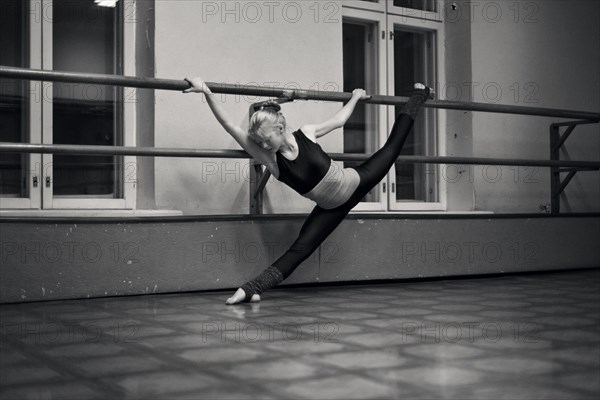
(270, 105)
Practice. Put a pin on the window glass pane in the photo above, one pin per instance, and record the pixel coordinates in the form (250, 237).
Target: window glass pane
(13, 97)
(360, 71)
(413, 181)
(426, 5)
(86, 38)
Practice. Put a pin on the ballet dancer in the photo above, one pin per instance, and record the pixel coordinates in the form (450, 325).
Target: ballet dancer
(297, 160)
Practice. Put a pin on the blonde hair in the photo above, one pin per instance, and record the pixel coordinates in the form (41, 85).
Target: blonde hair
(268, 112)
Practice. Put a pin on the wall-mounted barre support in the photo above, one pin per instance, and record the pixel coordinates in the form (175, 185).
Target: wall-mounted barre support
(556, 142)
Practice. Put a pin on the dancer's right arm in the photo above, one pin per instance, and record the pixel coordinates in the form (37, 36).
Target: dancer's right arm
(197, 85)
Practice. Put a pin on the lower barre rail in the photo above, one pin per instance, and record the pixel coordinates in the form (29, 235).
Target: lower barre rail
(197, 153)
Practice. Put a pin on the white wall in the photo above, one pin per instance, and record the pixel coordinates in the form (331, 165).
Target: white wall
(282, 47)
(459, 124)
(552, 46)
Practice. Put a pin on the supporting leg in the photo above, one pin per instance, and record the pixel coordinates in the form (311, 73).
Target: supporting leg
(317, 227)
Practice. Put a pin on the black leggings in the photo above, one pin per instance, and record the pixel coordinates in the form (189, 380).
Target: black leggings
(321, 222)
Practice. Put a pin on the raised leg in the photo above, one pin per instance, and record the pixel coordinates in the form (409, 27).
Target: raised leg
(373, 170)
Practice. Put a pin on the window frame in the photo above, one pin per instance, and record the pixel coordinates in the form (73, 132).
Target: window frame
(40, 129)
(379, 20)
(437, 121)
(389, 17)
(380, 5)
(31, 168)
(416, 14)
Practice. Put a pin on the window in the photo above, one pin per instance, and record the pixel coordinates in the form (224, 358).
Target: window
(85, 36)
(417, 9)
(386, 53)
(425, 5)
(360, 71)
(14, 102)
(412, 63)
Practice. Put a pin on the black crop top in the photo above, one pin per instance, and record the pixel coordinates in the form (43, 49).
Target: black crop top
(308, 169)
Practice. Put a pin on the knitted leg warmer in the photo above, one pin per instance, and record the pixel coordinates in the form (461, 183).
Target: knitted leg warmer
(264, 281)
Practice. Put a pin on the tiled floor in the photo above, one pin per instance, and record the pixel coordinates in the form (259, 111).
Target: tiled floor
(512, 337)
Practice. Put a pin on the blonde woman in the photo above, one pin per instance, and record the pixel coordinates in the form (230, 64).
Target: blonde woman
(295, 158)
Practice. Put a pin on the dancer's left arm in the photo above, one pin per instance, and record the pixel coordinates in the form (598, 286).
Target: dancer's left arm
(339, 119)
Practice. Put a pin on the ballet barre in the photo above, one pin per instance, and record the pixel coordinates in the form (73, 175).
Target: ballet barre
(292, 94)
(259, 177)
